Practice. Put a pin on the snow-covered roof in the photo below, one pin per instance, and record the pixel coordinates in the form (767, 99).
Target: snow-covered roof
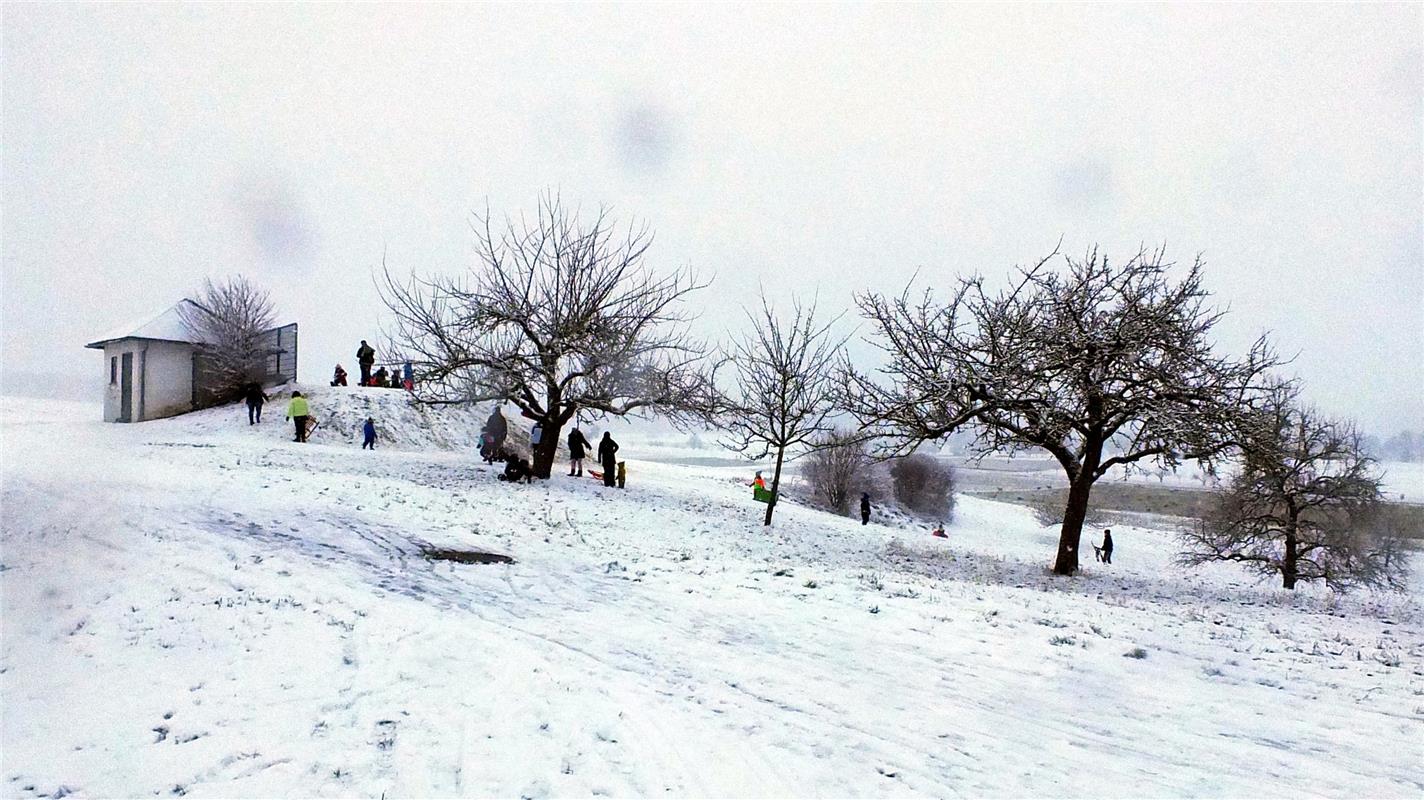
(166, 326)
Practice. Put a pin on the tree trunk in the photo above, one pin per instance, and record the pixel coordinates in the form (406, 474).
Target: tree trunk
(1072, 532)
(548, 447)
(775, 486)
(1288, 565)
(550, 425)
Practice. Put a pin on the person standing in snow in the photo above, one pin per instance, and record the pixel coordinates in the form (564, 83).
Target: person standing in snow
(865, 508)
(369, 430)
(366, 357)
(607, 458)
(255, 397)
(297, 412)
(1107, 545)
(622, 474)
(408, 376)
(492, 437)
(578, 445)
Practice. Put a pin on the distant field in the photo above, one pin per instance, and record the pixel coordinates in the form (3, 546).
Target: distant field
(1117, 501)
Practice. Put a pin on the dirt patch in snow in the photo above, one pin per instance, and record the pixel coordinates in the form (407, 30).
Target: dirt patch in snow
(465, 556)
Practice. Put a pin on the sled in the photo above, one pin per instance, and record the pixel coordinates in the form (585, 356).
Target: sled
(761, 495)
(312, 425)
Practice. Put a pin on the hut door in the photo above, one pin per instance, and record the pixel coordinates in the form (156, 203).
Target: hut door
(126, 388)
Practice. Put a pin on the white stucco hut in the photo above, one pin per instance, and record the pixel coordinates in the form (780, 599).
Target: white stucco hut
(155, 369)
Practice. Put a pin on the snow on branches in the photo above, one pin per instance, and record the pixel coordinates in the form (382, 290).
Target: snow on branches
(558, 315)
(1099, 364)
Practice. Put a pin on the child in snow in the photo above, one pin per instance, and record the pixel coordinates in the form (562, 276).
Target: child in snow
(369, 429)
(516, 470)
(865, 508)
(622, 473)
(939, 532)
(297, 412)
(338, 378)
(760, 493)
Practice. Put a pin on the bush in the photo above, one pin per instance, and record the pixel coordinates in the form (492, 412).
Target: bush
(924, 484)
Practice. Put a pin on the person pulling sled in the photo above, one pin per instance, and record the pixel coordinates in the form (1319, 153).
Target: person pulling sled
(299, 413)
(607, 458)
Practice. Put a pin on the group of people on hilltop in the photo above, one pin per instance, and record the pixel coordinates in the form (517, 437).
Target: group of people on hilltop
(380, 378)
(299, 409)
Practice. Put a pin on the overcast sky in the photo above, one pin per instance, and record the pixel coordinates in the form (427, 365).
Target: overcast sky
(811, 149)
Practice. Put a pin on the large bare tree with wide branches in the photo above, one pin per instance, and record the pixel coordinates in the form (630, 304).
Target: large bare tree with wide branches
(560, 314)
(784, 399)
(1100, 364)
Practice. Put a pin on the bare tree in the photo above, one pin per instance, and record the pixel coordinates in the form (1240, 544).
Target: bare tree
(558, 316)
(1305, 505)
(834, 468)
(1101, 365)
(227, 321)
(783, 399)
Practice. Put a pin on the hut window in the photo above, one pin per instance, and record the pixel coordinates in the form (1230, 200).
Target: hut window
(113, 370)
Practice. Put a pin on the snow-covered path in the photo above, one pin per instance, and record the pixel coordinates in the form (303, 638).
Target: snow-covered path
(191, 608)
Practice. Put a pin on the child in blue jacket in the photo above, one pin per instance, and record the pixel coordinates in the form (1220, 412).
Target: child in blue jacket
(370, 430)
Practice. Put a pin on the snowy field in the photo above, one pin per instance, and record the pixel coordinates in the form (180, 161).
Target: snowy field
(195, 606)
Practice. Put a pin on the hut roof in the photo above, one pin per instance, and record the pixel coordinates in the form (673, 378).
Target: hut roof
(166, 326)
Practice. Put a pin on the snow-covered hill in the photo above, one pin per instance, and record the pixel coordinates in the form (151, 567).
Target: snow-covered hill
(341, 411)
(193, 606)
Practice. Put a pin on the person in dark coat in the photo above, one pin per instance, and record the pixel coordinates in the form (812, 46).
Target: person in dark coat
(369, 431)
(607, 458)
(338, 378)
(865, 508)
(516, 470)
(492, 436)
(366, 357)
(255, 397)
(381, 378)
(578, 446)
(408, 376)
(1107, 545)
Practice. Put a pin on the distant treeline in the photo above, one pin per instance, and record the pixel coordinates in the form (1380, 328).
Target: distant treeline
(1403, 446)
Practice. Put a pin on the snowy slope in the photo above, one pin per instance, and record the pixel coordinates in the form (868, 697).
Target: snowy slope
(195, 606)
(340, 412)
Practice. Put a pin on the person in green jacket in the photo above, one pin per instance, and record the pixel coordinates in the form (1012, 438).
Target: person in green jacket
(297, 412)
